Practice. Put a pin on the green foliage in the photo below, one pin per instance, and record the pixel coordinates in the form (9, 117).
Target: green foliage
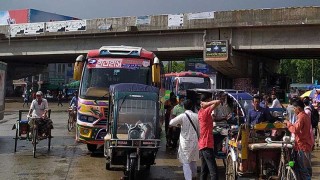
(176, 67)
(300, 70)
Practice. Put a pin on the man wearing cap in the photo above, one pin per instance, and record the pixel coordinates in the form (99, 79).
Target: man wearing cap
(39, 110)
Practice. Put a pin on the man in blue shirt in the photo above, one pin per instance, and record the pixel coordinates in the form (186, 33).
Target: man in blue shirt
(74, 100)
(259, 114)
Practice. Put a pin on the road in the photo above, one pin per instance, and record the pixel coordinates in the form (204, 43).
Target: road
(71, 160)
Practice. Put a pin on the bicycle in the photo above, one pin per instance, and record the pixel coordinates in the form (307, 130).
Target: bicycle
(35, 138)
(285, 171)
(72, 118)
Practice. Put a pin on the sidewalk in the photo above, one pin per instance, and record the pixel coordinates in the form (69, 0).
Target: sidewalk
(16, 106)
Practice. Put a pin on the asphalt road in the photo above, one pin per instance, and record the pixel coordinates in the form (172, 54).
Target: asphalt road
(71, 160)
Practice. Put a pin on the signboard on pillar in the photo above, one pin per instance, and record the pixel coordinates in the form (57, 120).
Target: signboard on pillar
(216, 50)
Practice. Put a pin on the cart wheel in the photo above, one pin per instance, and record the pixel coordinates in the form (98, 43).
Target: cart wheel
(16, 139)
(34, 141)
(49, 139)
(230, 169)
(70, 123)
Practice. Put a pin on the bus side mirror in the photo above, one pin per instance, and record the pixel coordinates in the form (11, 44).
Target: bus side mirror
(78, 66)
(156, 71)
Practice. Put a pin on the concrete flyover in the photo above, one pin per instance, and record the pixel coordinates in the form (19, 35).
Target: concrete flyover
(261, 36)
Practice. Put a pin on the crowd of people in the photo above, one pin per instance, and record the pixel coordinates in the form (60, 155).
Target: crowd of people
(196, 140)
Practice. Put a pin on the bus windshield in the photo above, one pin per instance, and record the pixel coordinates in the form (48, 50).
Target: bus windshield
(96, 81)
(194, 82)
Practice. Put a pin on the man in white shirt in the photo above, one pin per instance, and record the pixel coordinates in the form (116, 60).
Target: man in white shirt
(39, 111)
(188, 152)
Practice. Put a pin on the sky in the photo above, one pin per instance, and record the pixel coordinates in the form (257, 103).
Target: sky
(91, 9)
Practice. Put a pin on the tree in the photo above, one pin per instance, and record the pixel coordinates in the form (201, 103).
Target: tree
(176, 66)
(300, 70)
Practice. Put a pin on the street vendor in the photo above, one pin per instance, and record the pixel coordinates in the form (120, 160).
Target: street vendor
(303, 141)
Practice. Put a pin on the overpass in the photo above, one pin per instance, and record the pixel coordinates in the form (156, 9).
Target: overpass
(256, 38)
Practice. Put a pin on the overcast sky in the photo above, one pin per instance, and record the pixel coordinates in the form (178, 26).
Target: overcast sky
(90, 9)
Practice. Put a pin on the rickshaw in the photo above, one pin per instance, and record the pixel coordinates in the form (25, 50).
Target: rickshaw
(132, 139)
(23, 130)
(239, 101)
(254, 154)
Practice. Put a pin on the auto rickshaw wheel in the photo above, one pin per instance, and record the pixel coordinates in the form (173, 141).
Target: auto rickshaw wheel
(230, 169)
(132, 169)
(91, 147)
(16, 140)
(108, 167)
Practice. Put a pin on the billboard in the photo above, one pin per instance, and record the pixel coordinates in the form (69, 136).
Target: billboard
(216, 50)
(30, 16)
(14, 16)
(41, 16)
(26, 29)
(198, 65)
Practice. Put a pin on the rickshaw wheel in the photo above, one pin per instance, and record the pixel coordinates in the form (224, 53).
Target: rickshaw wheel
(34, 141)
(132, 169)
(49, 139)
(290, 174)
(230, 169)
(70, 123)
(16, 140)
(91, 147)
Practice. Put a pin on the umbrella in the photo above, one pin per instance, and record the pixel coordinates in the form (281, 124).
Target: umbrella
(309, 93)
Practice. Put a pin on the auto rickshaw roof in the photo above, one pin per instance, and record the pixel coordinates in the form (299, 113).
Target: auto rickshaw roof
(238, 94)
(132, 87)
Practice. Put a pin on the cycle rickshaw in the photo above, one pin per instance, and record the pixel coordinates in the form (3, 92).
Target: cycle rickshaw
(254, 154)
(239, 103)
(132, 139)
(72, 119)
(23, 132)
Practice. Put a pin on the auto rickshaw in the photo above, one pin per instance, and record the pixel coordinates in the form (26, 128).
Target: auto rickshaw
(239, 103)
(132, 139)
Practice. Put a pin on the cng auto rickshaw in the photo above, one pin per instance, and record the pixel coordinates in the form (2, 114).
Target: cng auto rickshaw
(132, 139)
(239, 102)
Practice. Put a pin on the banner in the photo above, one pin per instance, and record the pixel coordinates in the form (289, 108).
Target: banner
(216, 50)
(34, 28)
(26, 29)
(56, 26)
(77, 25)
(201, 15)
(175, 20)
(143, 20)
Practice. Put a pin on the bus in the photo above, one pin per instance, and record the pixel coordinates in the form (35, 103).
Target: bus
(180, 82)
(100, 69)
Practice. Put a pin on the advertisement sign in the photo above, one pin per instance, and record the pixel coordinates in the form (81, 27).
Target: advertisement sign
(34, 28)
(117, 63)
(26, 29)
(57, 26)
(175, 20)
(143, 20)
(198, 65)
(201, 15)
(216, 50)
(42, 16)
(14, 17)
(76, 25)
